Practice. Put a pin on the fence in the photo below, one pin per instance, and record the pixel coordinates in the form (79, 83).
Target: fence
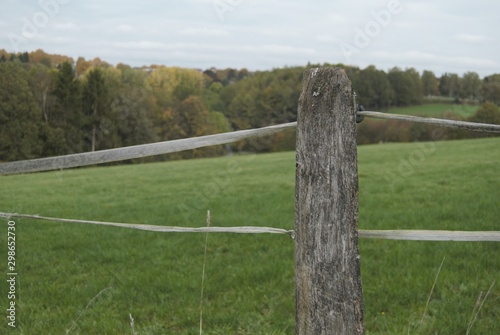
(327, 264)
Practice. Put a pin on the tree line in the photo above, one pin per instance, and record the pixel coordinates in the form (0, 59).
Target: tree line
(52, 105)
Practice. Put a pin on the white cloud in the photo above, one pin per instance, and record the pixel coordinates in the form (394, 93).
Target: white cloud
(438, 62)
(470, 38)
(66, 26)
(415, 55)
(284, 50)
(144, 45)
(124, 28)
(262, 34)
(325, 38)
(205, 32)
(205, 48)
(202, 2)
(63, 40)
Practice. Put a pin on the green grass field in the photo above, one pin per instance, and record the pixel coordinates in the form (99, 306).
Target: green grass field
(438, 110)
(79, 279)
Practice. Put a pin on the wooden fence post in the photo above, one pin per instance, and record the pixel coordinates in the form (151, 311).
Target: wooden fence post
(329, 297)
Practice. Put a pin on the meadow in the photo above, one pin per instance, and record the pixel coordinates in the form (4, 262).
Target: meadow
(438, 110)
(82, 279)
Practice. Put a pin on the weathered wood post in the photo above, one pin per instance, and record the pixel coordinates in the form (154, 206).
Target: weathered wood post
(329, 297)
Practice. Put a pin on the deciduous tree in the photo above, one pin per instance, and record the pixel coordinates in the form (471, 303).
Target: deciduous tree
(430, 83)
(470, 86)
(491, 89)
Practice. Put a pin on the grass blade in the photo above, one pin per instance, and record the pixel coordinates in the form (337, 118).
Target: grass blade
(430, 294)
(478, 309)
(203, 274)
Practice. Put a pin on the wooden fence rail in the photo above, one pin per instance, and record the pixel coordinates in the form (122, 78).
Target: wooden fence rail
(136, 151)
(471, 126)
(160, 148)
(405, 235)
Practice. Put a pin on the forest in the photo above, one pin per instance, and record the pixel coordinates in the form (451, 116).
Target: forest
(53, 105)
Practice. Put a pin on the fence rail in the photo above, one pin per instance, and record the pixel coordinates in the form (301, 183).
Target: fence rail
(156, 228)
(471, 126)
(136, 151)
(160, 148)
(402, 235)
(432, 235)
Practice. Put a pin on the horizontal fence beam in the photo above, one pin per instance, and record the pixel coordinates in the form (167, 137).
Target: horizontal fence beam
(432, 235)
(137, 151)
(155, 228)
(160, 148)
(411, 235)
(471, 126)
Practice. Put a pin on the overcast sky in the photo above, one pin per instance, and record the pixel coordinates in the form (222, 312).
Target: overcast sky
(442, 36)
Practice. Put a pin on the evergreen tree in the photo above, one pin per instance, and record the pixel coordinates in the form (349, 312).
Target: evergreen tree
(19, 115)
(24, 57)
(95, 103)
(67, 114)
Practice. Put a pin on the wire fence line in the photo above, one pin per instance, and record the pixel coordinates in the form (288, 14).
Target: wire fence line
(137, 151)
(471, 126)
(407, 235)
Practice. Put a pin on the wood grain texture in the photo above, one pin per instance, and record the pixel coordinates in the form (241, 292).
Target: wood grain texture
(327, 265)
